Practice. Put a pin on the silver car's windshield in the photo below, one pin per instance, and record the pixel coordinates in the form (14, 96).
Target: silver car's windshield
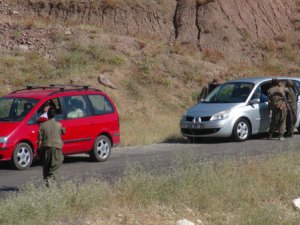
(15, 109)
(234, 92)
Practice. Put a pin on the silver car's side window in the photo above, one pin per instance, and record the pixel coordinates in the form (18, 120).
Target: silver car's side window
(297, 87)
(260, 94)
(257, 93)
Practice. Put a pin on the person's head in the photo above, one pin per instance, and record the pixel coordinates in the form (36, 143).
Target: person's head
(282, 84)
(215, 80)
(275, 82)
(27, 106)
(46, 106)
(77, 104)
(51, 113)
(289, 83)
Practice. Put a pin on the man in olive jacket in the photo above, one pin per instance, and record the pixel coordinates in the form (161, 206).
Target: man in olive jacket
(291, 117)
(50, 143)
(277, 104)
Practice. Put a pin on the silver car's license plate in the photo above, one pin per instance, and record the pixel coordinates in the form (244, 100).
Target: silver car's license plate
(196, 126)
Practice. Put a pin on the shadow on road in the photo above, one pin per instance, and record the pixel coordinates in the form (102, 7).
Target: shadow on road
(77, 158)
(5, 166)
(175, 139)
(5, 190)
(68, 159)
(206, 140)
(183, 140)
(8, 166)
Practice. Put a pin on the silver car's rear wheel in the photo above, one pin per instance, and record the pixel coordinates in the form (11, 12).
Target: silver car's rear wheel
(102, 149)
(241, 130)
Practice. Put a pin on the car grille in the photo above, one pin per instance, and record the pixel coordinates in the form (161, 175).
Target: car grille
(204, 118)
(199, 131)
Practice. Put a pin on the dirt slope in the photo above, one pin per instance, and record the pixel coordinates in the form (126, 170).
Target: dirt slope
(233, 27)
(157, 52)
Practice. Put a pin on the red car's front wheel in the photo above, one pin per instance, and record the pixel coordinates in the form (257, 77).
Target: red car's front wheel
(22, 157)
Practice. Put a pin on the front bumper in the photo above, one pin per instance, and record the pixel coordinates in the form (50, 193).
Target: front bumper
(221, 128)
(5, 152)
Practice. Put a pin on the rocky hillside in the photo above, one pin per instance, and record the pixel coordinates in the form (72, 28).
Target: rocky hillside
(157, 53)
(232, 27)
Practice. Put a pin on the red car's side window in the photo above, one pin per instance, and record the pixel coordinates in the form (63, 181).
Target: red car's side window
(100, 104)
(75, 107)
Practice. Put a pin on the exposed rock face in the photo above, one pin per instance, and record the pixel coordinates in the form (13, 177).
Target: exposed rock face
(186, 24)
(113, 16)
(230, 27)
(234, 26)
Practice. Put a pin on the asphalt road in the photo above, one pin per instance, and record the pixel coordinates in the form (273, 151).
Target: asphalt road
(150, 156)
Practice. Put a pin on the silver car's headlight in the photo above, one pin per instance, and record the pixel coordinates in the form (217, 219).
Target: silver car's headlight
(221, 115)
(3, 140)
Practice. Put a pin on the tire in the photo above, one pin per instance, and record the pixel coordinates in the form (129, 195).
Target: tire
(22, 157)
(241, 130)
(101, 150)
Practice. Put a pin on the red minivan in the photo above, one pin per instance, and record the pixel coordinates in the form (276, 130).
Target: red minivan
(95, 130)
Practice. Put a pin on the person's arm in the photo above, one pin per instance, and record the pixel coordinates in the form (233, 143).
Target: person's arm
(39, 138)
(62, 130)
(39, 149)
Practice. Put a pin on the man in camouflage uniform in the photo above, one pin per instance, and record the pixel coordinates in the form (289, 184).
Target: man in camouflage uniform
(50, 143)
(277, 104)
(291, 118)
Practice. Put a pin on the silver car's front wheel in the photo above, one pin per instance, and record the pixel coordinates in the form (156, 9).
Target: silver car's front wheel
(241, 130)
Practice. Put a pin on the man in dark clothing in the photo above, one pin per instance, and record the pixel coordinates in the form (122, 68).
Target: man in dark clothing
(50, 143)
(207, 90)
(291, 118)
(277, 104)
(203, 93)
(211, 86)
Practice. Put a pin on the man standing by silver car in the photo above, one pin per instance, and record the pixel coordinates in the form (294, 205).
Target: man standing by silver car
(291, 118)
(277, 103)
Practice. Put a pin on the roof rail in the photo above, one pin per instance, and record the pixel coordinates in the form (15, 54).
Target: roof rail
(70, 85)
(30, 87)
(61, 87)
(75, 87)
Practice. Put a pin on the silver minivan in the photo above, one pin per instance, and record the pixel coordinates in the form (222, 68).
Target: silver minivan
(237, 109)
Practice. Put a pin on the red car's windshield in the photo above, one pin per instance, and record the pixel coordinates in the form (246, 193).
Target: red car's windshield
(15, 109)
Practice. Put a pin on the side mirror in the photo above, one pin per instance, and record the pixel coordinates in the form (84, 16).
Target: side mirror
(254, 101)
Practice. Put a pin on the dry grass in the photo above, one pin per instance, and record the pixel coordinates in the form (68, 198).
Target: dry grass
(245, 191)
(148, 129)
(156, 81)
(151, 83)
(156, 84)
(212, 55)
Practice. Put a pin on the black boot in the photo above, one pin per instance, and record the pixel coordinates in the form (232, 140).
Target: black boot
(270, 135)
